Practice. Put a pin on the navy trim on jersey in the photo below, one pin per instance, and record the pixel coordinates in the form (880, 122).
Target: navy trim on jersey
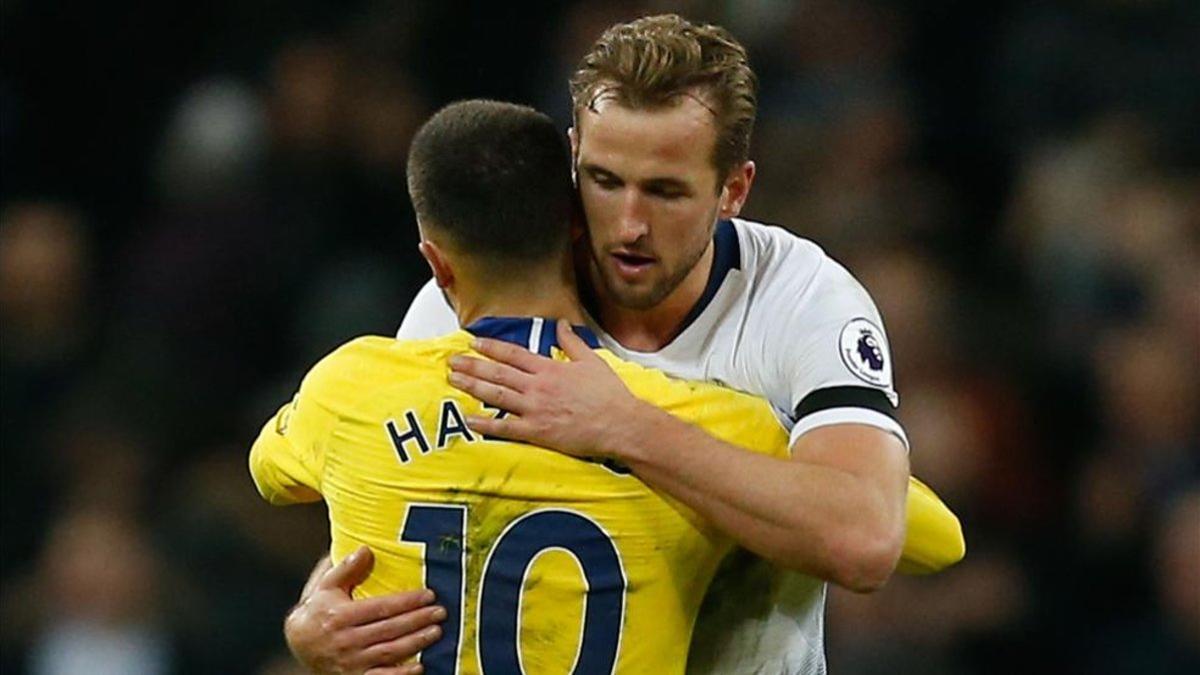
(844, 397)
(727, 255)
(519, 330)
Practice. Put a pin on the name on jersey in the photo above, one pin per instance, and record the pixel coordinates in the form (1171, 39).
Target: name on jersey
(411, 439)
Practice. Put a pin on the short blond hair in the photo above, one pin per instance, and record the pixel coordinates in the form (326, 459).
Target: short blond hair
(651, 62)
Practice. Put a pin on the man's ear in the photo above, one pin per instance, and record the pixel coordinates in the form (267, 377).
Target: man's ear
(438, 264)
(736, 189)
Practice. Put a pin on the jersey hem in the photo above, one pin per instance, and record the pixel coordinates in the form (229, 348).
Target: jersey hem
(847, 415)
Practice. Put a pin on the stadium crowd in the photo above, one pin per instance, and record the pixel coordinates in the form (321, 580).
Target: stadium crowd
(198, 202)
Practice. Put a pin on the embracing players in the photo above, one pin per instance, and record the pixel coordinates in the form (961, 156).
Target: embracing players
(543, 562)
(663, 115)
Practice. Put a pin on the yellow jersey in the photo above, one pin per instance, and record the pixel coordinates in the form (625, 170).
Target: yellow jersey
(545, 563)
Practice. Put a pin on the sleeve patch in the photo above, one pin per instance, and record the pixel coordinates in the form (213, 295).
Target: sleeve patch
(864, 351)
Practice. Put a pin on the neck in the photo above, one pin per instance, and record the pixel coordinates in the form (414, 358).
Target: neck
(548, 295)
(651, 329)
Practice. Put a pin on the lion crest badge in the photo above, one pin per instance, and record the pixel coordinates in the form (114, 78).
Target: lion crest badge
(864, 351)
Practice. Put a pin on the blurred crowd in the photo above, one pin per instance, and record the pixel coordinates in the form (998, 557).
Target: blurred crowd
(197, 203)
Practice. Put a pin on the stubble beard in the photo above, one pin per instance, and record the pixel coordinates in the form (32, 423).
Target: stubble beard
(646, 298)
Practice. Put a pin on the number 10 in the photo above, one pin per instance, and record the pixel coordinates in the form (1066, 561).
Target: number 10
(442, 529)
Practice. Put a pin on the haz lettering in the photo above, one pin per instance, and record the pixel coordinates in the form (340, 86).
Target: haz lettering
(410, 439)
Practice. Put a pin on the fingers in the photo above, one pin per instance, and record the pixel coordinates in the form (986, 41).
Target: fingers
(513, 355)
(491, 371)
(573, 345)
(386, 607)
(407, 669)
(396, 627)
(350, 572)
(403, 648)
(492, 394)
(510, 427)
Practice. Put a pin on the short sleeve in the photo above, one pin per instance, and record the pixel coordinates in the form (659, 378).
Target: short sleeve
(838, 365)
(428, 316)
(286, 459)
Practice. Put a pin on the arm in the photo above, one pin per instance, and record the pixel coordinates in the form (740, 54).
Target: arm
(281, 471)
(330, 633)
(286, 459)
(327, 630)
(934, 539)
(835, 510)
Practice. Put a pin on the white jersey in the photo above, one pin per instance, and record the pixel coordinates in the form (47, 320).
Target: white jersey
(781, 320)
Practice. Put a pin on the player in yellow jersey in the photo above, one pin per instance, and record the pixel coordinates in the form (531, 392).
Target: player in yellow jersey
(544, 563)
(377, 431)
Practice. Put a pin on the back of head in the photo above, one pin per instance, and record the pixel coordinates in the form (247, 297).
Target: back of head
(651, 62)
(494, 179)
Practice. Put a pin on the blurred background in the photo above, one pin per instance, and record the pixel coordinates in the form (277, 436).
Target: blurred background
(198, 200)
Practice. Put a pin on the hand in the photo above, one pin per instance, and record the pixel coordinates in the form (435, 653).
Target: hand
(331, 633)
(566, 406)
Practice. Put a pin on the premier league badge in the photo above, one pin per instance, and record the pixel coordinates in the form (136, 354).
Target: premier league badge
(865, 352)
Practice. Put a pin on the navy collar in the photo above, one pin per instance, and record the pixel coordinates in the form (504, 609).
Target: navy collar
(727, 255)
(534, 333)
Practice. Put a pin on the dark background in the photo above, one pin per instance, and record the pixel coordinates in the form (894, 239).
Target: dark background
(198, 200)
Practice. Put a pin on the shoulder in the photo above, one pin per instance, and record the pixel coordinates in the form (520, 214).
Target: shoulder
(366, 362)
(352, 359)
(655, 385)
(765, 246)
(809, 324)
(794, 277)
(724, 411)
(779, 262)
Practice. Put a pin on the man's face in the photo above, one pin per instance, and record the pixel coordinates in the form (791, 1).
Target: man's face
(649, 192)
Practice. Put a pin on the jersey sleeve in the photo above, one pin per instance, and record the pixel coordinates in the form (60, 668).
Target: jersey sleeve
(838, 367)
(728, 415)
(428, 316)
(286, 459)
(934, 537)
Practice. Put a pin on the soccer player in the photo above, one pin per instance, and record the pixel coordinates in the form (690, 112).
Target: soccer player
(544, 562)
(663, 115)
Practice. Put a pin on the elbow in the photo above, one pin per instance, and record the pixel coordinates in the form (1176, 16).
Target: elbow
(259, 473)
(863, 561)
(948, 550)
(956, 549)
(255, 462)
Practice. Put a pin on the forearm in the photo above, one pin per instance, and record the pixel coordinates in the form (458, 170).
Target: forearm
(834, 510)
(822, 520)
(933, 538)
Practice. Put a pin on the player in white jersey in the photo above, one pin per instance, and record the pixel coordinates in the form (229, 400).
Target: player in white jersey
(771, 299)
(769, 293)
(663, 116)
